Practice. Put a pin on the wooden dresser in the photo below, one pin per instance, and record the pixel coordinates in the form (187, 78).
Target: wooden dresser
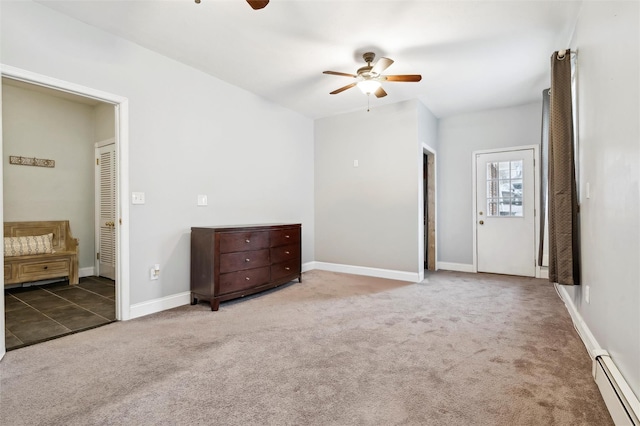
(234, 261)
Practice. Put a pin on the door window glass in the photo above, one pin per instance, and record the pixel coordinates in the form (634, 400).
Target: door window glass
(504, 188)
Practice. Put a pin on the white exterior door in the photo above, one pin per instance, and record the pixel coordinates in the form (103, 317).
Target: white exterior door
(106, 211)
(505, 223)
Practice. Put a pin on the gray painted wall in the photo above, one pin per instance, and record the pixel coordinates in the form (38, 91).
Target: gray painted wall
(606, 39)
(190, 134)
(105, 127)
(427, 127)
(459, 136)
(368, 215)
(43, 126)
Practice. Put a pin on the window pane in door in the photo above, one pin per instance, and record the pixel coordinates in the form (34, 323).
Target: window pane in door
(492, 171)
(492, 189)
(492, 208)
(504, 188)
(516, 169)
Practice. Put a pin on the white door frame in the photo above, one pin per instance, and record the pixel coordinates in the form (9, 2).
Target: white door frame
(536, 194)
(121, 105)
(426, 149)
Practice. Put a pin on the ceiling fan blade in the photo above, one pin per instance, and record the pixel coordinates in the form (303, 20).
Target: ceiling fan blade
(381, 65)
(380, 93)
(344, 74)
(258, 4)
(342, 89)
(406, 77)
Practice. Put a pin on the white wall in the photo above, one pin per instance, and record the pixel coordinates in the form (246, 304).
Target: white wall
(43, 126)
(459, 136)
(189, 134)
(368, 215)
(606, 39)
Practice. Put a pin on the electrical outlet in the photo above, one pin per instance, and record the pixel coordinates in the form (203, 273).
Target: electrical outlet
(587, 291)
(154, 272)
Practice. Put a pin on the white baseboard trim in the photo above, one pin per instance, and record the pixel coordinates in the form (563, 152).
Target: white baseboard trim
(589, 340)
(308, 266)
(413, 277)
(458, 267)
(158, 305)
(86, 272)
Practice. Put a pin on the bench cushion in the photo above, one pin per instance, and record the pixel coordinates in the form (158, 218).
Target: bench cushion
(28, 245)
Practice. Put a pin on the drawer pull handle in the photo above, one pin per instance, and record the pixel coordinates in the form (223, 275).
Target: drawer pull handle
(287, 268)
(286, 252)
(247, 260)
(247, 240)
(286, 236)
(247, 278)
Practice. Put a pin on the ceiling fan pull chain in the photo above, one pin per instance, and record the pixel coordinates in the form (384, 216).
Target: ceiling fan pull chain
(368, 98)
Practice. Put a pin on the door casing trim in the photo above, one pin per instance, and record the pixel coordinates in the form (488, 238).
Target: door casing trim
(425, 149)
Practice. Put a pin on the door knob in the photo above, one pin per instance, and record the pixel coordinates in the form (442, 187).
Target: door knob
(481, 222)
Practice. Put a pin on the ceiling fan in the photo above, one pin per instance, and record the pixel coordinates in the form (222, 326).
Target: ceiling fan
(369, 78)
(255, 4)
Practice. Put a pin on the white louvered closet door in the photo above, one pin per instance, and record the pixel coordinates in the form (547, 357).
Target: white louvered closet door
(107, 211)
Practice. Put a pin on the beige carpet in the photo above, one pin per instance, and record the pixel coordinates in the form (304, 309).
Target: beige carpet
(456, 349)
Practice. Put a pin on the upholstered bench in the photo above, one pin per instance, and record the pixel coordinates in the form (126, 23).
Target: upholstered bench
(35, 251)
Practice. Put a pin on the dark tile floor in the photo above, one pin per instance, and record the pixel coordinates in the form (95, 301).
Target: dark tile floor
(43, 312)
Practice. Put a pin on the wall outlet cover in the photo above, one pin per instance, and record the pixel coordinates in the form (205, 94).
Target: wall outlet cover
(137, 198)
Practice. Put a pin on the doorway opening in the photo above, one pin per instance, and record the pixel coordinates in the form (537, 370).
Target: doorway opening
(429, 209)
(119, 111)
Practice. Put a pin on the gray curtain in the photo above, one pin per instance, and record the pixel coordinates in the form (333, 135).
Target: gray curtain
(564, 256)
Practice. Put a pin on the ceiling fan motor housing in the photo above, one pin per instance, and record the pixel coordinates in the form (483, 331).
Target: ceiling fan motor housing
(369, 57)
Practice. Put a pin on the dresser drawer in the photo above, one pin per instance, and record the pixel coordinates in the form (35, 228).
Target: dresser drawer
(283, 253)
(41, 270)
(242, 241)
(236, 281)
(281, 237)
(238, 261)
(285, 269)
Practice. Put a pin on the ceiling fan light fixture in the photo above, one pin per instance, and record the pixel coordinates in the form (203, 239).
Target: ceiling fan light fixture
(368, 86)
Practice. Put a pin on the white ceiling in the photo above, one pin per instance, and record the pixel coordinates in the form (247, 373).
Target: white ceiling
(472, 55)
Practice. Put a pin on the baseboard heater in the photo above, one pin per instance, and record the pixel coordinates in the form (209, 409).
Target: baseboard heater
(621, 402)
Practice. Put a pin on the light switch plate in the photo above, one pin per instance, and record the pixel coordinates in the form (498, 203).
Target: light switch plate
(137, 198)
(202, 200)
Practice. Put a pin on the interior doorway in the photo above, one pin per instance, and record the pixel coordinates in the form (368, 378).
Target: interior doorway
(120, 106)
(429, 209)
